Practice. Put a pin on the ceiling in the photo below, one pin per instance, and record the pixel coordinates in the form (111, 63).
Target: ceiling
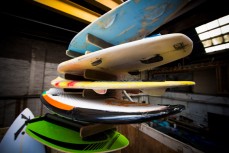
(27, 18)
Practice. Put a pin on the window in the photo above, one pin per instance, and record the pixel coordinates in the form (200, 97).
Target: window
(215, 34)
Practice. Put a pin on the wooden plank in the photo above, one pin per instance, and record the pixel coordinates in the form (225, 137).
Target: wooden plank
(148, 140)
(98, 75)
(90, 130)
(85, 129)
(167, 143)
(97, 41)
(73, 77)
(70, 9)
(72, 53)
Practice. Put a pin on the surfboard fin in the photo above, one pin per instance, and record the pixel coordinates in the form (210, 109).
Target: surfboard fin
(154, 92)
(90, 93)
(134, 72)
(100, 91)
(97, 62)
(87, 52)
(157, 58)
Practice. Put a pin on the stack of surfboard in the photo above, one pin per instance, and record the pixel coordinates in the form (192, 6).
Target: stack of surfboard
(85, 92)
(133, 56)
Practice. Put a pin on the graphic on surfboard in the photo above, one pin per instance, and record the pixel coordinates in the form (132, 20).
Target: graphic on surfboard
(66, 137)
(16, 140)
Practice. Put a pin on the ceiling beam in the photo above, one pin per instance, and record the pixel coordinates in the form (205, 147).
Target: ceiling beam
(71, 9)
(108, 3)
(105, 5)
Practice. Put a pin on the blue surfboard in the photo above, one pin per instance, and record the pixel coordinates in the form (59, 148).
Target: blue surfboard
(130, 21)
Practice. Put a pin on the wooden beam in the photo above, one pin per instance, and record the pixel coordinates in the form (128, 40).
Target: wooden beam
(108, 3)
(97, 41)
(70, 9)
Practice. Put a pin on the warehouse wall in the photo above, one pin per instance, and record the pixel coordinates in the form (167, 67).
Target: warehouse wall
(27, 65)
(197, 106)
(208, 95)
(205, 79)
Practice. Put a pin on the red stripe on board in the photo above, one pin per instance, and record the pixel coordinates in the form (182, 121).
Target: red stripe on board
(71, 84)
(57, 84)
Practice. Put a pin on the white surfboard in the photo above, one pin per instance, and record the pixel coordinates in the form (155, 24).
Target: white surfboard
(112, 111)
(17, 141)
(134, 56)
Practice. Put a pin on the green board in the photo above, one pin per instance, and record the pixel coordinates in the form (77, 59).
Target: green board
(65, 138)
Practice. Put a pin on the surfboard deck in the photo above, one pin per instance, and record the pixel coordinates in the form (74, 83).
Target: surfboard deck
(63, 137)
(111, 111)
(134, 56)
(101, 87)
(16, 140)
(130, 21)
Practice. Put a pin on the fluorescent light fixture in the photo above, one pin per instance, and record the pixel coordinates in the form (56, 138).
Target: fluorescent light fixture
(71, 9)
(204, 36)
(225, 29)
(224, 20)
(212, 25)
(217, 48)
(215, 34)
(201, 28)
(226, 38)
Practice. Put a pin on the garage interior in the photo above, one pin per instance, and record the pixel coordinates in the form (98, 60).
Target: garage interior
(34, 39)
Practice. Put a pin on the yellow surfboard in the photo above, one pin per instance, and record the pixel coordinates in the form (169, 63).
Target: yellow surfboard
(101, 87)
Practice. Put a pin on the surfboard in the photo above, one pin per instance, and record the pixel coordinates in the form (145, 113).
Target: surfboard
(16, 140)
(111, 111)
(130, 57)
(66, 138)
(101, 87)
(130, 21)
